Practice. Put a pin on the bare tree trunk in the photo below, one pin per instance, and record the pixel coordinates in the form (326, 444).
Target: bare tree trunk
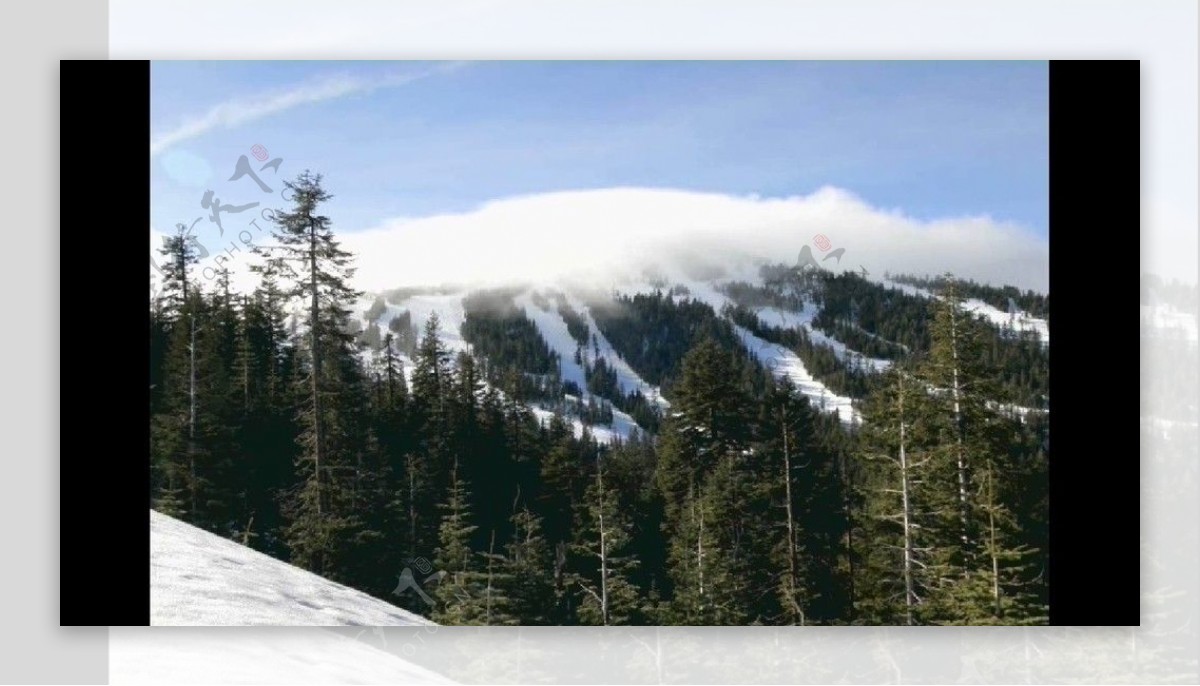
(909, 593)
(791, 530)
(314, 314)
(847, 513)
(491, 557)
(603, 543)
(699, 512)
(992, 544)
(412, 501)
(192, 413)
(961, 455)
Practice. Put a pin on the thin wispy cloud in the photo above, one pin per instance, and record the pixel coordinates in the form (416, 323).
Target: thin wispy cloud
(330, 87)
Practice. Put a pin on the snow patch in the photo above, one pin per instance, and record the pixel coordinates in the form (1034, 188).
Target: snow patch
(788, 319)
(200, 579)
(786, 364)
(1020, 320)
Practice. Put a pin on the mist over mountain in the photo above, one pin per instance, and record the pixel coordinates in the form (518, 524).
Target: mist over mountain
(607, 235)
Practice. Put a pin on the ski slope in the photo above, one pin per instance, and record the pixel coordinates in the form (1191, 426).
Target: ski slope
(788, 319)
(1018, 321)
(629, 380)
(553, 330)
(200, 579)
(785, 364)
(781, 361)
(449, 309)
(551, 326)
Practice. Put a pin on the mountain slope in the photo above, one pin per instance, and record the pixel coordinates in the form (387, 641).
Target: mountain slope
(200, 579)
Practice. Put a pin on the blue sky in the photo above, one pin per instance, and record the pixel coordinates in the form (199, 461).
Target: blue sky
(405, 139)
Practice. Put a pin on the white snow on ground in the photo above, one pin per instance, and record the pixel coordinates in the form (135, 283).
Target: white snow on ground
(200, 579)
(785, 363)
(622, 427)
(787, 319)
(305, 655)
(553, 329)
(629, 379)
(449, 308)
(1019, 321)
(782, 361)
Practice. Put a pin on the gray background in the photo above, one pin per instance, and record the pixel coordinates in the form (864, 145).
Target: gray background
(34, 36)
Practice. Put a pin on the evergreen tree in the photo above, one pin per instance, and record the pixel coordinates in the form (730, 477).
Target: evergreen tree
(529, 566)
(901, 535)
(321, 508)
(607, 595)
(467, 590)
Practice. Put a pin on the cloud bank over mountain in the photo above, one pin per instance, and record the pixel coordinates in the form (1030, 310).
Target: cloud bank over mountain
(601, 237)
(605, 234)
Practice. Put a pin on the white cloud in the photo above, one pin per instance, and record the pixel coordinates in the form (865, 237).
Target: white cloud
(601, 235)
(235, 112)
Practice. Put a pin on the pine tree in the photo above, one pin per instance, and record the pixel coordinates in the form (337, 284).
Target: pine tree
(953, 369)
(320, 508)
(901, 534)
(786, 419)
(528, 565)
(700, 566)
(428, 461)
(462, 595)
(606, 593)
(173, 432)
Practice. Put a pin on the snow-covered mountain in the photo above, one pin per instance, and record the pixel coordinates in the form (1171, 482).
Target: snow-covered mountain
(711, 290)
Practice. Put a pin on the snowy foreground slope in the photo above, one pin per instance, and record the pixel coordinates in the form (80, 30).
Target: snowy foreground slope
(200, 579)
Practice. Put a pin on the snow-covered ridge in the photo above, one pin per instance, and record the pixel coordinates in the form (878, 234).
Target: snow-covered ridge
(786, 364)
(451, 315)
(1016, 321)
(803, 319)
(200, 579)
(553, 330)
(781, 361)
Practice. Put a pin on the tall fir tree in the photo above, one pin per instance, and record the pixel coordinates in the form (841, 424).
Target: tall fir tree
(607, 596)
(320, 509)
